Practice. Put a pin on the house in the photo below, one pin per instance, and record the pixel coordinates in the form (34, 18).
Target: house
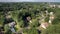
(58, 6)
(11, 23)
(29, 19)
(44, 25)
(52, 6)
(51, 16)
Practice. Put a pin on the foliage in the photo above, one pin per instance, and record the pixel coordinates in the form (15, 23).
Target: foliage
(19, 11)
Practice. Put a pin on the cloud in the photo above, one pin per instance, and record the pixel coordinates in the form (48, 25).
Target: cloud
(29, 0)
(47, 0)
(17, 0)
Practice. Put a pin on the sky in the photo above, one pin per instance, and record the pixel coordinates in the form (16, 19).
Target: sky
(29, 0)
